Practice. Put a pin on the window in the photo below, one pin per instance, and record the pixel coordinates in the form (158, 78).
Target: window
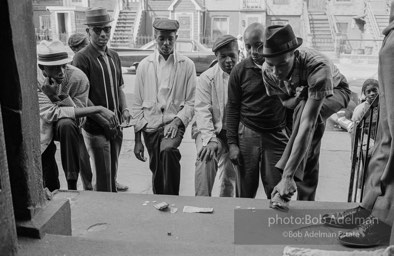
(45, 22)
(281, 1)
(220, 26)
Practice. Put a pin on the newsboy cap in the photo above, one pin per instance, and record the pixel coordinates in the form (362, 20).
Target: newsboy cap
(222, 41)
(166, 25)
(76, 39)
(97, 16)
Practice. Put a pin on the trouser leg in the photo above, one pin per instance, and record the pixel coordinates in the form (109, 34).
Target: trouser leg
(116, 146)
(86, 169)
(205, 173)
(99, 149)
(306, 189)
(273, 144)
(152, 142)
(50, 170)
(227, 175)
(249, 146)
(67, 133)
(169, 161)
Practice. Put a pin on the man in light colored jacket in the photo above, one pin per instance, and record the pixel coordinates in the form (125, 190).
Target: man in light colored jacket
(211, 141)
(163, 107)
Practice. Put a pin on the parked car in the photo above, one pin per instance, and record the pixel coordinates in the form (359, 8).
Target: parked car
(198, 53)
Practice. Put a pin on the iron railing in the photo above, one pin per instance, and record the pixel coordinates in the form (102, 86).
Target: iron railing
(364, 135)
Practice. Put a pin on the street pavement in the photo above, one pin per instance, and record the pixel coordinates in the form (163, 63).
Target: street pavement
(334, 159)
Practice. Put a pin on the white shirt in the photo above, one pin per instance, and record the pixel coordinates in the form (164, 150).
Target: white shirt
(164, 69)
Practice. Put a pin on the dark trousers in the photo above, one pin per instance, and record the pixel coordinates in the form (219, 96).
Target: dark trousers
(74, 157)
(164, 158)
(259, 154)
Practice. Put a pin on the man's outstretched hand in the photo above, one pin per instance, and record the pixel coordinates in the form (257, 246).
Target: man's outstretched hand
(285, 188)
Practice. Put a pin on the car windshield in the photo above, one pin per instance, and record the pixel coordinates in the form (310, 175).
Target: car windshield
(181, 46)
(185, 47)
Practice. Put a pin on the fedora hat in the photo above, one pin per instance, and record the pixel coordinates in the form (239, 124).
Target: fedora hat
(279, 39)
(52, 53)
(97, 16)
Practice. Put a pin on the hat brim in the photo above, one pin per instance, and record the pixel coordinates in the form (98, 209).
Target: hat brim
(274, 54)
(99, 23)
(55, 63)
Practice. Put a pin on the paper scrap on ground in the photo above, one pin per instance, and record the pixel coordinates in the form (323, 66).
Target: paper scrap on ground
(161, 206)
(193, 209)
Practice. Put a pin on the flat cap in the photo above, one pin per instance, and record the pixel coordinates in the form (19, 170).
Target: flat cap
(166, 24)
(222, 41)
(76, 39)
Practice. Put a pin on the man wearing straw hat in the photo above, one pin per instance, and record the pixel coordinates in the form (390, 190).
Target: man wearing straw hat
(163, 107)
(63, 96)
(103, 68)
(309, 82)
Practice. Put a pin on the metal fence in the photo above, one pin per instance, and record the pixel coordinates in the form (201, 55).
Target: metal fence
(362, 143)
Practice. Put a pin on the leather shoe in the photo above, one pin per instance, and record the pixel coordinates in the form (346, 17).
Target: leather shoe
(121, 188)
(372, 232)
(348, 219)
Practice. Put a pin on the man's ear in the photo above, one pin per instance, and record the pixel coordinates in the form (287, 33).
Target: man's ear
(87, 31)
(176, 37)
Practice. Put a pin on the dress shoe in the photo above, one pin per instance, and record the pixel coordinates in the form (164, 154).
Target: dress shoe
(348, 219)
(121, 188)
(372, 232)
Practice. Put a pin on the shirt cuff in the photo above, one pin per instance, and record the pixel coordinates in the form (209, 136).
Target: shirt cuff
(140, 125)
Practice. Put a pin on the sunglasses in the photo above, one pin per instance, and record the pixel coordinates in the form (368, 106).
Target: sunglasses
(98, 30)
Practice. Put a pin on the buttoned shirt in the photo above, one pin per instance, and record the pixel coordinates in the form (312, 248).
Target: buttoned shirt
(210, 105)
(103, 69)
(311, 69)
(147, 111)
(163, 71)
(73, 91)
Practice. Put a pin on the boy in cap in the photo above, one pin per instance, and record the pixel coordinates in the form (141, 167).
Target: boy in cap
(78, 41)
(63, 95)
(211, 140)
(103, 68)
(255, 122)
(163, 107)
(311, 84)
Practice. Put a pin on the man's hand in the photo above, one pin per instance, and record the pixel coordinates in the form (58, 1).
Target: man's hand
(110, 117)
(50, 88)
(302, 92)
(208, 152)
(171, 129)
(139, 151)
(235, 154)
(286, 188)
(126, 116)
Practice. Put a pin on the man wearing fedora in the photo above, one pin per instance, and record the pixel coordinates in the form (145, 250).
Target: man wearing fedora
(63, 96)
(163, 107)
(210, 126)
(103, 68)
(309, 82)
(255, 122)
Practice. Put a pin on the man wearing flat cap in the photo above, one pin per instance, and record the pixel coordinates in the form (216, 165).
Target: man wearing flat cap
(103, 68)
(78, 41)
(255, 122)
(163, 107)
(210, 128)
(63, 98)
(308, 82)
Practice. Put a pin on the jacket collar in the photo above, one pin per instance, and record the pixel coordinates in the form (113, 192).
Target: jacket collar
(96, 53)
(177, 57)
